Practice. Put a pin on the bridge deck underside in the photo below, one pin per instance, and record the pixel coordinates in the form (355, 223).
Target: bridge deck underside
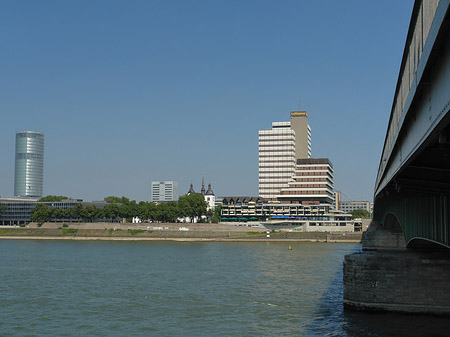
(415, 187)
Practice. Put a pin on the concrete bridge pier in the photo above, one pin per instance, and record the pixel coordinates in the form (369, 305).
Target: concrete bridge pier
(387, 276)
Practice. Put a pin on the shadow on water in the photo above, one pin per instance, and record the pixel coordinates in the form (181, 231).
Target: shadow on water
(332, 320)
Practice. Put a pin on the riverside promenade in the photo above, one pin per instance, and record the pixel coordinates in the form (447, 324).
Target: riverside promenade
(167, 231)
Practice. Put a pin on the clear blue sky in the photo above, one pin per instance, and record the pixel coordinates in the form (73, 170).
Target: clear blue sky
(127, 92)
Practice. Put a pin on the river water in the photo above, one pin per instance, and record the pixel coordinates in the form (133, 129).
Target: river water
(98, 288)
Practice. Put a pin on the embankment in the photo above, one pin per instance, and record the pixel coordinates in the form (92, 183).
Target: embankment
(232, 234)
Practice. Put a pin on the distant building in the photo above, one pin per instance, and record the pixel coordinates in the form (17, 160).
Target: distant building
(307, 218)
(278, 150)
(18, 210)
(164, 191)
(350, 206)
(29, 167)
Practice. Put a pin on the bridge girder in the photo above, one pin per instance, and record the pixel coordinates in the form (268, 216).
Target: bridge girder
(414, 176)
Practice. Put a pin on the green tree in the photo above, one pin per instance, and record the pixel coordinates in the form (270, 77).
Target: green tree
(111, 211)
(53, 198)
(117, 200)
(360, 213)
(41, 213)
(77, 211)
(143, 211)
(167, 212)
(2, 208)
(88, 213)
(217, 213)
(192, 205)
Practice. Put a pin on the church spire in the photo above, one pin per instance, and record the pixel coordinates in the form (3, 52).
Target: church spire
(203, 186)
(191, 190)
(209, 191)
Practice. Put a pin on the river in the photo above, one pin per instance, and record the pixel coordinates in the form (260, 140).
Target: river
(97, 288)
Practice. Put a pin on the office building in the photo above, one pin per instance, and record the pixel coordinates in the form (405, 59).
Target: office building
(29, 169)
(350, 206)
(312, 183)
(164, 191)
(279, 148)
(296, 217)
(17, 211)
(276, 159)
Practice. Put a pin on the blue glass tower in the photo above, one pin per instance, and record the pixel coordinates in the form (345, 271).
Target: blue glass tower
(29, 173)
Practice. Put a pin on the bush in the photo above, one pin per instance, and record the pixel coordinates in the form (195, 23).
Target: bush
(67, 231)
(136, 231)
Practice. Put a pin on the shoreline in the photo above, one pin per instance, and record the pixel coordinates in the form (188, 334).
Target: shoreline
(166, 232)
(129, 238)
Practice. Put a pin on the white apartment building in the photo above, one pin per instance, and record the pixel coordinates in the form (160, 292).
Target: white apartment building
(164, 191)
(276, 159)
(279, 148)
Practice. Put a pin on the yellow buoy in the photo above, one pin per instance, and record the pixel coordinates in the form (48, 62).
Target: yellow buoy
(290, 248)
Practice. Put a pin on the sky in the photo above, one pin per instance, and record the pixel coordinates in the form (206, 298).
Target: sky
(127, 92)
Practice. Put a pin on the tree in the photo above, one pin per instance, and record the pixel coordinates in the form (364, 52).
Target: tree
(117, 200)
(53, 198)
(360, 213)
(111, 211)
(217, 213)
(76, 211)
(2, 208)
(41, 213)
(88, 213)
(192, 205)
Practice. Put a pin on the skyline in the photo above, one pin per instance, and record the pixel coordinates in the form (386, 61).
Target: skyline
(110, 87)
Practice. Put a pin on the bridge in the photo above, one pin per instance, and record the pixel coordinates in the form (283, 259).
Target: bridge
(406, 249)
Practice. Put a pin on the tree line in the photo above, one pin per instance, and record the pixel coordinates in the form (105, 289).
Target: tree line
(117, 208)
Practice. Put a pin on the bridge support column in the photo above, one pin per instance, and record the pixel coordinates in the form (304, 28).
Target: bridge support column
(386, 276)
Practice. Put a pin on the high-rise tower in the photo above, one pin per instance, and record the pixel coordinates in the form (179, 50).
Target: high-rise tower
(279, 148)
(29, 172)
(276, 159)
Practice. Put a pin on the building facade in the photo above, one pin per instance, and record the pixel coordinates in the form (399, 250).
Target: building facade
(276, 159)
(164, 191)
(307, 218)
(29, 165)
(278, 149)
(350, 206)
(17, 211)
(312, 183)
